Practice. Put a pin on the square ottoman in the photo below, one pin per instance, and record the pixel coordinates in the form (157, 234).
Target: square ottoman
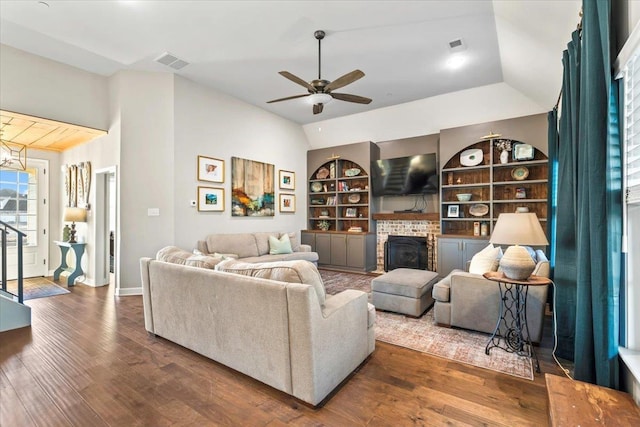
(404, 290)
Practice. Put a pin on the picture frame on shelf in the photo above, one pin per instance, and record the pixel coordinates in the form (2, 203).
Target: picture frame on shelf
(287, 203)
(210, 199)
(210, 169)
(523, 151)
(287, 180)
(453, 211)
(351, 212)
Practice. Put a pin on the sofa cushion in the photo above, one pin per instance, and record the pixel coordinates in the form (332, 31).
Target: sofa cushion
(203, 261)
(173, 254)
(242, 244)
(262, 241)
(279, 246)
(487, 259)
(284, 271)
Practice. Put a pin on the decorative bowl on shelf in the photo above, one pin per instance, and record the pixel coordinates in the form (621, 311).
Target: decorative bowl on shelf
(316, 187)
(354, 198)
(471, 157)
(352, 172)
(479, 209)
(322, 173)
(520, 173)
(463, 197)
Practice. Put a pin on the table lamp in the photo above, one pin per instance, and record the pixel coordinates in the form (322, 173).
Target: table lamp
(518, 229)
(74, 215)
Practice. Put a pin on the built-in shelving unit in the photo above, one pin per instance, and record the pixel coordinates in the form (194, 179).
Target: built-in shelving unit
(339, 195)
(494, 184)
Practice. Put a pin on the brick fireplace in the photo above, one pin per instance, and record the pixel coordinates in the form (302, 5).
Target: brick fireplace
(404, 224)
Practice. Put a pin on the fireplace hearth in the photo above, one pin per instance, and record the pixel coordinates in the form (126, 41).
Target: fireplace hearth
(409, 252)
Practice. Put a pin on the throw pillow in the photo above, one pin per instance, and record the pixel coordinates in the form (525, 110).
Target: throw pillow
(298, 271)
(280, 246)
(487, 259)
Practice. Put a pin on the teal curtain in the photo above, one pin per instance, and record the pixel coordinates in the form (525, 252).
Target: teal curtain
(589, 210)
(565, 270)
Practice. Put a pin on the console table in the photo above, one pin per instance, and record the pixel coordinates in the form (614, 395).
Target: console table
(78, 249)
(513, 315)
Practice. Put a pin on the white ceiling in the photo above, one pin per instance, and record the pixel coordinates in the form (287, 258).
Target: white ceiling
(238, 47)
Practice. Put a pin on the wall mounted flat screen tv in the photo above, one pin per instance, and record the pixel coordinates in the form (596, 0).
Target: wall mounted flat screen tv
(403, 176)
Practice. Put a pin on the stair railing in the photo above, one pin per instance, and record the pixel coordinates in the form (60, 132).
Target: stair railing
(5, 229)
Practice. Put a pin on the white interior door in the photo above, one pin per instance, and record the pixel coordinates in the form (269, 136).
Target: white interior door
(24, 205)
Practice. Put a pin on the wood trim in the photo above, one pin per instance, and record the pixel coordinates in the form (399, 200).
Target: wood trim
(407, 216)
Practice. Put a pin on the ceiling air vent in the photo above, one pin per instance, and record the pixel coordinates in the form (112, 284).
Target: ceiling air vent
(457, 45)
(171, 61)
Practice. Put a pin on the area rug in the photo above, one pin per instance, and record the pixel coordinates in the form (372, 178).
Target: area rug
(424, 335)
(36, 287)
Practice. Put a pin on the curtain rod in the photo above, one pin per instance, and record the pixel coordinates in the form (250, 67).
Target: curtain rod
(579, 28)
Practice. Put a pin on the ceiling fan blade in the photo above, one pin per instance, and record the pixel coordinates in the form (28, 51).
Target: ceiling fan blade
(288, 98)
(298, 80)
(351, 98)
(317, 108)
(344, 80)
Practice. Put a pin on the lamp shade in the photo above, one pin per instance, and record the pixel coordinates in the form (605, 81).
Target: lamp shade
(75, 214)
(518, 229)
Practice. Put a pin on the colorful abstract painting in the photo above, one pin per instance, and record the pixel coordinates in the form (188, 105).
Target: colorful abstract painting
(252, 185)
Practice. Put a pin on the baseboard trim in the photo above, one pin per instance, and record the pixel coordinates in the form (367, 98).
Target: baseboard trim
(125, 292)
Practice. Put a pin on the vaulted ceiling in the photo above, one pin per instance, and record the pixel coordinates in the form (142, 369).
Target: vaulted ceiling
(238, 47)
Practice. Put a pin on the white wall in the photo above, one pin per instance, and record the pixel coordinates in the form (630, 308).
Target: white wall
(40, 87)
(213, 124)
(425, 117)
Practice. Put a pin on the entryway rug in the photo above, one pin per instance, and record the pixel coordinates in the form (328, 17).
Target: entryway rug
(36, 287)
(425, 336)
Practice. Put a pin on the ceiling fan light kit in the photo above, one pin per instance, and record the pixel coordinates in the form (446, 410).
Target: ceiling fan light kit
(320, 90)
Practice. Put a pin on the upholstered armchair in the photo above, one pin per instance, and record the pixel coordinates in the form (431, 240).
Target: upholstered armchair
(470, 301)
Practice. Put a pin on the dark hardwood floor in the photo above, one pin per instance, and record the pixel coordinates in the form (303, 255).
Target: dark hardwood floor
(88, 361)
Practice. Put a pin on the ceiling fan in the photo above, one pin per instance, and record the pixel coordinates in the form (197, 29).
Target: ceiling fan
(321, 91)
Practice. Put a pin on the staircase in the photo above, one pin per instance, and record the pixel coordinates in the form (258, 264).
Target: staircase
(13, 313)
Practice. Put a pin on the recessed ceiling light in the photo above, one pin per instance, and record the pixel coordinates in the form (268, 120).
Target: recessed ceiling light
(456, 61)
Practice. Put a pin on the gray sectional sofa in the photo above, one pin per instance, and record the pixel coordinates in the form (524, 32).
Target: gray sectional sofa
(290, 336)
(254, 247)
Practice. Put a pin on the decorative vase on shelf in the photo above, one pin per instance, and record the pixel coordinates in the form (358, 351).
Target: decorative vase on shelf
(504, 156)
(66, 231)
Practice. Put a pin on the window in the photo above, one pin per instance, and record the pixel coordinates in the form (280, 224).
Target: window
(19, 203)
(630, 72)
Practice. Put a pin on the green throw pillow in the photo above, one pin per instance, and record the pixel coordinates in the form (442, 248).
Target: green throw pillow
(280, 246)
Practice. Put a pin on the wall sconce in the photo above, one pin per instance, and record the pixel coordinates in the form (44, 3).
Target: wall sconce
(13, 155)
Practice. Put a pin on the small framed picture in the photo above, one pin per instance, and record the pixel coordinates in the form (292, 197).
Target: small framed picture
(210, 169)
(351, 212)
(287, 202)
(287, 180)
(210, 199)
(453, 211)
(523, 151)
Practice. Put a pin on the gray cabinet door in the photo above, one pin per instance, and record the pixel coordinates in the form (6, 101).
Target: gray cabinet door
(339, 250)
(449, 255)
(308, 239)
(323, 248)
(355, 251)
(456, 253)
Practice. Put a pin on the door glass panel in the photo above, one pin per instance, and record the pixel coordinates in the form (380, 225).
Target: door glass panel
(18, 203)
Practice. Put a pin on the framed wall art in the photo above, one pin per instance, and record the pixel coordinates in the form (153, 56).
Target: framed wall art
(287, 203)
(210, 169)
(252, 188)
(287, 180)
(210, 199)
